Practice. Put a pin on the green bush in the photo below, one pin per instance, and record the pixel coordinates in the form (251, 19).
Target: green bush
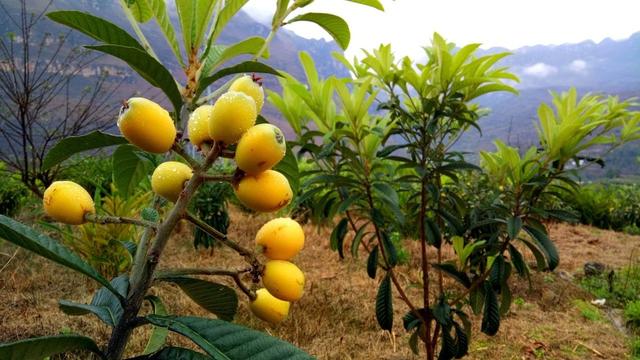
(210, 205)
(632, 314)
(13, 193)
(621, 288)
(90, 172)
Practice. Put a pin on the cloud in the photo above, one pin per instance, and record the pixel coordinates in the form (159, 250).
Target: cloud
(578, 66)
(540, 70)
(260, 10)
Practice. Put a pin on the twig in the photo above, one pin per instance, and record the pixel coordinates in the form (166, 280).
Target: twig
(248, 254)
(223, 177)
(104, 219)
(180, 151)
(235, 274)
(8, 261)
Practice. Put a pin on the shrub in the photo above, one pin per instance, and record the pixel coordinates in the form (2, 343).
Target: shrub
(90, 172)
(13, 193)
(632, 314)
(210, 204)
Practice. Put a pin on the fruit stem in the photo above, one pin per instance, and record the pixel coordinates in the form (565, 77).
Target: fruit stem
(104, 219)
(248, 254)
(223, 177)
(178, 149)
(165, 274)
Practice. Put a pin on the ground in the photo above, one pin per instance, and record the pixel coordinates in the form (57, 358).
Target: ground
(335, 319)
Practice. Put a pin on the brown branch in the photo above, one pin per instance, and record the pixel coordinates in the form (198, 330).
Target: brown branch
(235, 274)
(178, 149)
(220, 177)
(104, 219)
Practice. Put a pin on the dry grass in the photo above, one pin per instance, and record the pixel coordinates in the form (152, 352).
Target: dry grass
(335, 318)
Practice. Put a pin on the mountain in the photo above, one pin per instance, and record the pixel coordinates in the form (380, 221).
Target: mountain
(608, 67)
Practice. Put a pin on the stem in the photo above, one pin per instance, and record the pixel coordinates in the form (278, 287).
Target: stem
(178, 149)
(425, 269)
(223, 177)
(122, 331)
(104, 219)
(212, 272)
(248, 254)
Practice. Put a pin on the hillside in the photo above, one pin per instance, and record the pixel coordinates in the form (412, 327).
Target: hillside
(609, 67)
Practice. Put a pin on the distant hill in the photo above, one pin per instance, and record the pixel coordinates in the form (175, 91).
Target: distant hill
(609, 67)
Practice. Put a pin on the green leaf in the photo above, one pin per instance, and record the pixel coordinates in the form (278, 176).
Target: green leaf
(194, 16)
(432, 232)
(539, 235)
(357, 239)
(27, 238)
(337, 236)
(231, 8)
(384, 304)
(373, 3)
(42, 347)
(518, 261)
(491, 314)
(281, 8)
(452, 271)
(129, 169)
(288, 166)
(105, 305)
(241, 68)
(162, 17)
(159, 334)
(390, 250)
(334, 25)
(514, 224)
(372, 262)
(72, 145)
(95, 27)
(219, 54)
(224, 340)
(173, 353)
(140, 9)
(147, 67)
(216, 298)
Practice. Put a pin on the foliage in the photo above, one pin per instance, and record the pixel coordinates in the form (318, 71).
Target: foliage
(13, 193)
(91, 172)
(396, 171)
(632, 314)
(119, 302)
(210, 204)
(588, 311)
(619, 287)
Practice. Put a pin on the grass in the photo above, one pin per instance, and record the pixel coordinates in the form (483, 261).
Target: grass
(588, 311)
(335, 319)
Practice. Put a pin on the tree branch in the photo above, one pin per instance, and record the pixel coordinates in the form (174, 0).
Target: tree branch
(104, 219)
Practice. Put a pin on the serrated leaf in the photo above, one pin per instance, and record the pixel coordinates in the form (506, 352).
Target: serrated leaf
(216, 298)
(162, 17)
(462, 341)
(390, 250)
(373, 3)
(545, 244)
(357, 239)
(332, 24)
(220, 54)
(42, 347)
(159, 335)
(95, 27)
(491, 313)
(432, 232)
(514, 224)
(72, 145)
(288, 167)
(384, 304)
(129, 169)
(241, 68)
(194, 15)
(140, 9)
(337, 236)
(27, 238)
(224, 340)
(150, 214)
(372, 262)
(173, 353)
(105, 305)
(452, 271)
(147, 67)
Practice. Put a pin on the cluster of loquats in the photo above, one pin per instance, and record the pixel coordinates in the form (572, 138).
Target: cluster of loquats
(258, 148)
(280, 239)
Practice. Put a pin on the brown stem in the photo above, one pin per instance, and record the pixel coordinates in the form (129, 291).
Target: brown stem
(104, 219)
(223, 177)
(178, 149)
(248, 254)
(235, 274)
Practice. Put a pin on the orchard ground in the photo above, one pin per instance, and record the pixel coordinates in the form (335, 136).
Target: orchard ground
(335, 318)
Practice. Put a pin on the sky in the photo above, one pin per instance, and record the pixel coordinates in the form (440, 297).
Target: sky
(409, 24)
